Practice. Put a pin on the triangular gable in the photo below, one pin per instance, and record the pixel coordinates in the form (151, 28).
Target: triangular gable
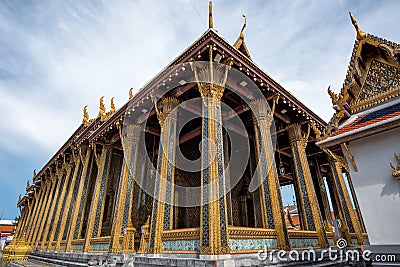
(373, 75)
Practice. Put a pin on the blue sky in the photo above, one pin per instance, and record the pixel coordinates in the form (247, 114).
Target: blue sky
(57, 56)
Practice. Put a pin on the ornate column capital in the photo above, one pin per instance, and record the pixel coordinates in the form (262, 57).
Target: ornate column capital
(211, 78)
(261, 111)
(295, 135)
(132, 133)
(167, 105)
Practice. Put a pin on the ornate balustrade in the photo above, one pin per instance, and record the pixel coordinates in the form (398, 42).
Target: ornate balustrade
(181, 241)
(77, 244)
(100, 244)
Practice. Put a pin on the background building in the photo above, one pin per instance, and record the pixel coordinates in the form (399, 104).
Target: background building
(366, 128)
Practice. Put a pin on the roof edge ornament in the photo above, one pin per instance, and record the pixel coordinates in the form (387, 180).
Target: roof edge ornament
(85, 120)
(360, 34)
(244, 26)
(396, 170)
(210, 16)
(240, 43)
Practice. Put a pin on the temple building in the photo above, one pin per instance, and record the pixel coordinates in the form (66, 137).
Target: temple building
(366, 129)
(121, 184)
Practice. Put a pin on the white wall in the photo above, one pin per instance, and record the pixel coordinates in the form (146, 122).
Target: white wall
(378, 192)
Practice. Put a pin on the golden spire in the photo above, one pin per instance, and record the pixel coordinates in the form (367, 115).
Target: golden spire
(244, 26)
(360, 34)
(130, 93)
(210, 16)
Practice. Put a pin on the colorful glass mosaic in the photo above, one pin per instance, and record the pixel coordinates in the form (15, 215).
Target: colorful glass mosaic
(253, 244)
(181, 245)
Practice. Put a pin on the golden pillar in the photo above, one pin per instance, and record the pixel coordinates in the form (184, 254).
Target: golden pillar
(68, 201)
(39, 218)
(346, 210)
(28, 215)
(312, 219)
(211, 80)
(271, 199)
(50, 198)
(21, 221)
(36, 204)
(355, 200)
(27, 209)
(162, 212)
(123, 207)
(324, 194)
(97, 206)
(79, 205)
(59, 211)
(59, 176)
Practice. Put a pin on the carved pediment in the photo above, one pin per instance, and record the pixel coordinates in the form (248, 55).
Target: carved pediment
(382, 82)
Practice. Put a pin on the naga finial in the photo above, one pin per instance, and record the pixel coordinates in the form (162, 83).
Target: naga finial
(244, 26)
(360, 34)
(85, 120)
(112, 110)
(396, 170)
(130, 93)
(210, 16)
(34, 173)
(102, 107)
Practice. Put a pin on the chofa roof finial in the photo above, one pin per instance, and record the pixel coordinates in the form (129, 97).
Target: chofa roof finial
(244, 26)
(360, 34)
(210, 16)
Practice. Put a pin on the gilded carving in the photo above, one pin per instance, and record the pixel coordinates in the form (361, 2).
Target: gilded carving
(396, 170)
(211, 79)
(340, 159)
(86, 120)
(351, 157)
(382, 82)
(310, 213)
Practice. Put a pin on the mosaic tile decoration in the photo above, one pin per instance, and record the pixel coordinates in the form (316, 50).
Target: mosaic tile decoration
(99, 247)
(380, 78)
(303, 242)
(170, 166)
(354, 241)
(47, 218)
(264, 173)
(72, 204)
(129, 186)
(303, 189)
(181, 245)
(56, 205)
(82, 204)
(78, 247)
(253, 244)
(156, 191)
(205, 241)
(331, 242)
(277, 185)
(99, 208)
(61, 215)
(343, 201)
(221, 178)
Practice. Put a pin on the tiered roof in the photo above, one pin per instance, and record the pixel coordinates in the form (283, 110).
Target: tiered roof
(368, 98)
